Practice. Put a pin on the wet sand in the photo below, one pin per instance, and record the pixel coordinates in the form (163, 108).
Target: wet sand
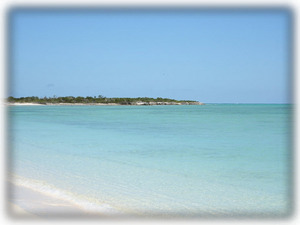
(25, 202)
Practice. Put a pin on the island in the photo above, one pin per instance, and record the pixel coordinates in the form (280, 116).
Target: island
(100, 100)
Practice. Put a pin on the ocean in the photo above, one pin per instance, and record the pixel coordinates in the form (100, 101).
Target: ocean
(190, 160)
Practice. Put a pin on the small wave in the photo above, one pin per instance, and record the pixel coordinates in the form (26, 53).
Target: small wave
(89, 205)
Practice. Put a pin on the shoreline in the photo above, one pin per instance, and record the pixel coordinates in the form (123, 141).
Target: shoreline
(29, 203)
(35, 199)
(15, 210)
(103, 104)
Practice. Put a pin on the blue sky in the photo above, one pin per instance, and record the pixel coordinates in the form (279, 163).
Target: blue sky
(209, 56)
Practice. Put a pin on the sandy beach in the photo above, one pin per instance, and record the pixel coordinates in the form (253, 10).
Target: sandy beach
(25, 202)
(23, 104)
(31, 104)
(102, 104)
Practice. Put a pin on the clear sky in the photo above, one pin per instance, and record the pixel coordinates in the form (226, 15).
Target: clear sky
(209, 56)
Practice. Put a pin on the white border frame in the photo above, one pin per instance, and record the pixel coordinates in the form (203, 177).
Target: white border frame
(6, 4)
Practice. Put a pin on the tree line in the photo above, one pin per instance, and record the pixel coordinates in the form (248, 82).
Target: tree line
(89, 100)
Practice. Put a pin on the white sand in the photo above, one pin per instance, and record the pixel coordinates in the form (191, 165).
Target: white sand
(22, 104)
(16, 210)
(72, 104)
(25, 202)
(28, 202)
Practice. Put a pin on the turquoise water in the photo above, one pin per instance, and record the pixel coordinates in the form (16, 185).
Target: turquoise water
(216, 159)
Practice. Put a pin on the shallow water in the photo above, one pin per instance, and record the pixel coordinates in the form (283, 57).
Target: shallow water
(216, 159)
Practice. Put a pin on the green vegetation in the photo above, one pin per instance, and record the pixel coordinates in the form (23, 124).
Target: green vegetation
(92, 100)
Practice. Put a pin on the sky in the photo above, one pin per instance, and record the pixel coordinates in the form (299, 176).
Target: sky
(212, 56)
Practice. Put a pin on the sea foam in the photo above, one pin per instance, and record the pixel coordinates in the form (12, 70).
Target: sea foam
(88, 205)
